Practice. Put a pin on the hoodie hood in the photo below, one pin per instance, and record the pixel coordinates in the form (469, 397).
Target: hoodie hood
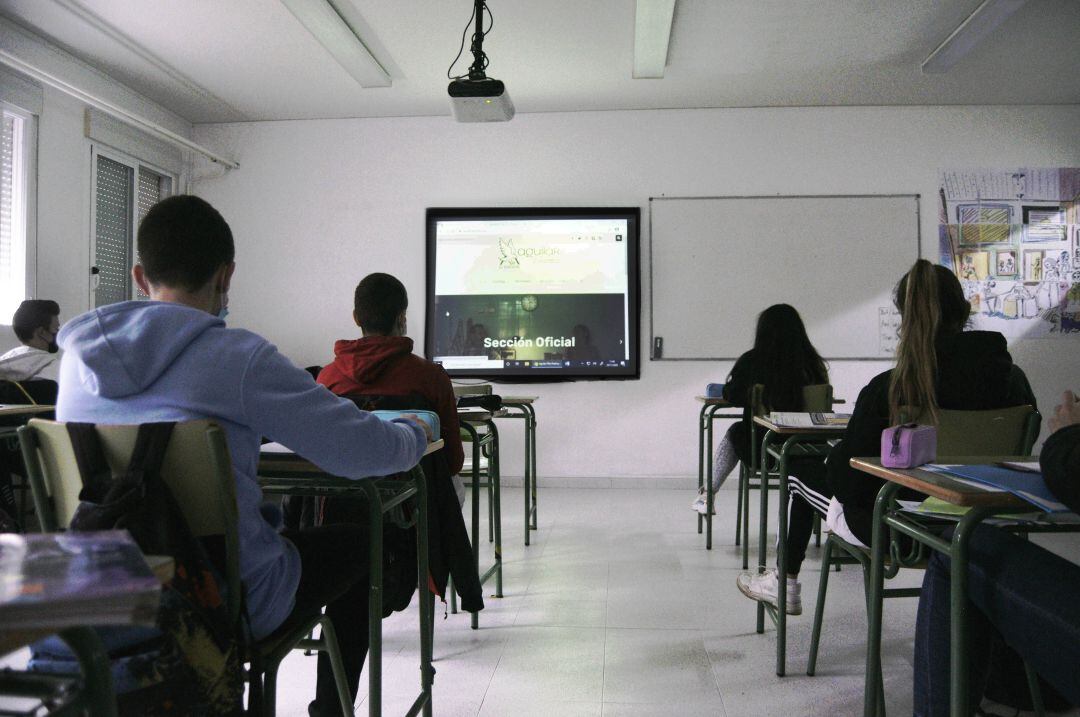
(123, 348)
(364, 360)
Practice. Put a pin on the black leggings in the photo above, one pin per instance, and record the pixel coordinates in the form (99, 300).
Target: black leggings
(334, 574)
(809, 493)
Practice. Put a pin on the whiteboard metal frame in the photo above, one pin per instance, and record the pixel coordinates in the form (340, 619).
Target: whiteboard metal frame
(652, 303)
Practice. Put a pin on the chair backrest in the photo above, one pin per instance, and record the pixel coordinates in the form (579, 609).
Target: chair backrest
(817, 397)
(995, 432)
(196, 467)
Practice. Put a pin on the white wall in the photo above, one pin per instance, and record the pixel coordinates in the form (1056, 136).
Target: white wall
(64, 170)
(316, 205)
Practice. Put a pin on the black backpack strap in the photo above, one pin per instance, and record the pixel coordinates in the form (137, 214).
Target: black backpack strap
(93, 469)
(149, 451)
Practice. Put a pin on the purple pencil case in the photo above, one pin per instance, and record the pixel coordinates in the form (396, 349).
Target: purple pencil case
(908, 445)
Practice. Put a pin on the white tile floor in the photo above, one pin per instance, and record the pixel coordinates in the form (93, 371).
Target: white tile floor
(617, 609)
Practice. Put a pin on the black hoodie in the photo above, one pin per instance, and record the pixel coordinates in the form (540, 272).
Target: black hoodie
(975, 372)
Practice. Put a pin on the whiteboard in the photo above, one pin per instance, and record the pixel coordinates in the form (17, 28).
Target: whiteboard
(717, 262)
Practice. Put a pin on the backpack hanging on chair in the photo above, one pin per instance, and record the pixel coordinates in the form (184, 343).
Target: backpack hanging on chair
(191, 663)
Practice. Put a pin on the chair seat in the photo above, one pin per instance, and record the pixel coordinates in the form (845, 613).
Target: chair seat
(283, 640)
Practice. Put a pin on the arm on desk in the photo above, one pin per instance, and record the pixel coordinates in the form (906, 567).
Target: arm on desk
(1060, 461)
(283, 403)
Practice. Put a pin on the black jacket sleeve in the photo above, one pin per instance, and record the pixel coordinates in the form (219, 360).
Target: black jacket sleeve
(1060, 461)
(740, 381)
(861, 439)
(1020, 392)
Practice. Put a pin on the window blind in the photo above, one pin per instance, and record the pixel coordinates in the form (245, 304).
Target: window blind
(112, 231)
(152, 188)
(12, 223)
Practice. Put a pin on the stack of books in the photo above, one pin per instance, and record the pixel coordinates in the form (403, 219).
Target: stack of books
(57, 580)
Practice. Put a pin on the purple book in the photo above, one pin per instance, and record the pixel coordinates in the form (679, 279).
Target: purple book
(55, 580)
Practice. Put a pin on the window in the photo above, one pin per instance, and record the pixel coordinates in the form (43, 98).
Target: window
(14, 179)
(124, 191)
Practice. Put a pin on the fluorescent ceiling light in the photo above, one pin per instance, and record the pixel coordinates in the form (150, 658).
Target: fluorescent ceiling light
(652, 33)
(984, 20)
(340, 40)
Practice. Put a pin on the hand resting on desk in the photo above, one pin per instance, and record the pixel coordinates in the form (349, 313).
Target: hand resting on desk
(413, 418)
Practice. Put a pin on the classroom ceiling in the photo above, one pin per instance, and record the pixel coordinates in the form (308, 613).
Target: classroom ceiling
(236, 60)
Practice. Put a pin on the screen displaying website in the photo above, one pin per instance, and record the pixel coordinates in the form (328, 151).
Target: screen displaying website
(532, 294)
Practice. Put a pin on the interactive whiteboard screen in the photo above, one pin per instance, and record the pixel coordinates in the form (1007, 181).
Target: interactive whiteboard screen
(533, 294)
(717, 262)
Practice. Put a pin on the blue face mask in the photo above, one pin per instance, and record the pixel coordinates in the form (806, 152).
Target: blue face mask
(224, 310)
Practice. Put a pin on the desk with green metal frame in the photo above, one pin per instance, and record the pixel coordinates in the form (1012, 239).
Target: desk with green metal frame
(521, 407)
(289, 474)
(709, 413)
(982, 503)
(486, 442)
(797, 442)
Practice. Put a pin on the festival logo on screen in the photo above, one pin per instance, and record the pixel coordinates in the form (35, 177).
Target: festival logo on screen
(510, 256)
(507, 260)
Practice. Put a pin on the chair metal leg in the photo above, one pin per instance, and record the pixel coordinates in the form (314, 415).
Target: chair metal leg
(817, 529)
(819, 609)
(270, 690)
(746, 517)
(739, 507)
(330, 644)
(1036, 691)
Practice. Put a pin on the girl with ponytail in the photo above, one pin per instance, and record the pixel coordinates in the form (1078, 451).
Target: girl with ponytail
(939, 365)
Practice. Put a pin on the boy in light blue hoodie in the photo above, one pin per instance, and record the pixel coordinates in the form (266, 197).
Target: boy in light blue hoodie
(173, 359)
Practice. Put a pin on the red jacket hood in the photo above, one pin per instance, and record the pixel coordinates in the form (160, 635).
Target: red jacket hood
(364, 360)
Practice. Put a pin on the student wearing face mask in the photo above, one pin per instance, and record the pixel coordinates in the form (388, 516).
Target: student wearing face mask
(36, 323)
(172, 359)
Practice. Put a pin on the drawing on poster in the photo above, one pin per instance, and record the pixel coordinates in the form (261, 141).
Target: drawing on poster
(1043, 224)
(974, 265)
(1006, 263)
(983, 223)
(1033, 266)
(1013, 238)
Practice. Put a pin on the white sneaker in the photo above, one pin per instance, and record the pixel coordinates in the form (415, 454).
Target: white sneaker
(699, 504)
(762, 587)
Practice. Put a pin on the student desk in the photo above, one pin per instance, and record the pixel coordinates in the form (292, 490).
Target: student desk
(782, 443)
(709, 412)
(982, 503)
(522, 407)
(283, 473)
(19, 413)
(484, 437)
(23, 409)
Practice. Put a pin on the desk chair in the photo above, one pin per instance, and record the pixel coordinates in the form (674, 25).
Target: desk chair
(198, 470)
(969, 433)
(817, 397)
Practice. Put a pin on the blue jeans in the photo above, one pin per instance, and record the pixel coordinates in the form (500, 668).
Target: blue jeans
(1028, 595)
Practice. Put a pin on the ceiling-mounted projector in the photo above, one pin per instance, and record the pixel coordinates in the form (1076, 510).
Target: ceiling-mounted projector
(475, 97)
(483, 100)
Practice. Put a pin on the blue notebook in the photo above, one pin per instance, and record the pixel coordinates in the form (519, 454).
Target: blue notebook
(1023, 484)
(429, 417)
(714, 390)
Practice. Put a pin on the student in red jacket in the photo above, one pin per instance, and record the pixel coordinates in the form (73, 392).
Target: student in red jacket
(382, 363)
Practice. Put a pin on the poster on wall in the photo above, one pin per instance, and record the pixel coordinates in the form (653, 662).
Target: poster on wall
(1013, 238)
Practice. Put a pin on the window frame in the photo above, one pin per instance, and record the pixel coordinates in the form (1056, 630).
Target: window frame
(137, 165)
(29, 200)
